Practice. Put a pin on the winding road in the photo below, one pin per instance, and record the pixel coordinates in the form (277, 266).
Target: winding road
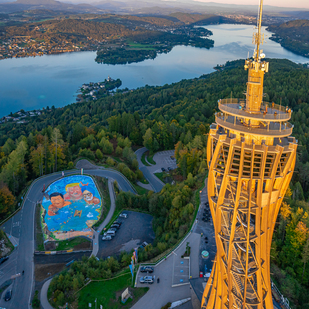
(155, 183)
(20, 229)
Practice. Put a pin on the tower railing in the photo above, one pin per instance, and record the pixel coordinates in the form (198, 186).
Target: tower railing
(274, 129)
(268, 112)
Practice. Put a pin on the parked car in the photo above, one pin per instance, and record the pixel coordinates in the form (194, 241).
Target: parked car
(163, 169)
(169, 168)
(123, 215)
(146, 279)
(172, 157)
(146, 269)
(143, 245)
(113, 229)
(117, 222)
(107, 237)
(109, 233)
(115, 226)
(3, 259)
(201, 274)
(8, 295)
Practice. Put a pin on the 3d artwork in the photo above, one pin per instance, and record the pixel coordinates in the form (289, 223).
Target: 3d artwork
(70, 207)
(251, 158)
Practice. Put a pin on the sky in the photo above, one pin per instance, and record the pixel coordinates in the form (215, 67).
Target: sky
(280, 3)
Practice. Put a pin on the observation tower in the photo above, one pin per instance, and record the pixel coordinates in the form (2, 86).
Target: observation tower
(251, 158)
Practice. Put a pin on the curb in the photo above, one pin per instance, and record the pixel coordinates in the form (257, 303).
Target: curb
(108, 169)
(59, 252)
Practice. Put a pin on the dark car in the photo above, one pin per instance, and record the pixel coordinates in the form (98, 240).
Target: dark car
(169, 168)
(146, 269)
(8, 295)
(163, 169)
(117, 222)
(3, 259)
(116, 226)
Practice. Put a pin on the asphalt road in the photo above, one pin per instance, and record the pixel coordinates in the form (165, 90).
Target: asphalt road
(162, 159)
(21, 228)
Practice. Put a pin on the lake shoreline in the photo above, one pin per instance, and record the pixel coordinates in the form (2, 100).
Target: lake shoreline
(34, 83)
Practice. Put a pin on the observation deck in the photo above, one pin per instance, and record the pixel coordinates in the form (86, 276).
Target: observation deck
(270, 121)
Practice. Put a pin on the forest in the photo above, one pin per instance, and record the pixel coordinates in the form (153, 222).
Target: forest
(176, 116)
(292, 35)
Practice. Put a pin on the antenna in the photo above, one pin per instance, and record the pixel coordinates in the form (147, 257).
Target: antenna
(257, 37)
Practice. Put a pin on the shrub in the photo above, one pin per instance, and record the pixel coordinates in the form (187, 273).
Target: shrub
(99, 154)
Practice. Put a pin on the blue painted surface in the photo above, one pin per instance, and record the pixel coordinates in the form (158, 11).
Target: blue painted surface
(78, 214)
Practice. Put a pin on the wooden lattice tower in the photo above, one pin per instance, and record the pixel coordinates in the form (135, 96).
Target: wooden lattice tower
(251, 158)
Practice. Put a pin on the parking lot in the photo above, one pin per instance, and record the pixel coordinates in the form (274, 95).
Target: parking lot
(163, 159)
(180, 270)
(134, 230)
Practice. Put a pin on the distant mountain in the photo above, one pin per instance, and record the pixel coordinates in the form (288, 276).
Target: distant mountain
(21, 5)
(39, 2)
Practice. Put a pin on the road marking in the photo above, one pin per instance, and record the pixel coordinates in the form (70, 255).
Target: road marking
(17, 223)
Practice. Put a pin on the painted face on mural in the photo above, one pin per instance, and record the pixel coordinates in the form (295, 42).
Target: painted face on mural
(75, 192)
(57, 201)
(88, 196)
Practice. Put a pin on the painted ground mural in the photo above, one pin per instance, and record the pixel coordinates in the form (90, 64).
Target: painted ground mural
(70, 207)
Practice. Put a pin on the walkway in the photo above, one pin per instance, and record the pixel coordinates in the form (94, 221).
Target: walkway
(43, 295)
(96, 234)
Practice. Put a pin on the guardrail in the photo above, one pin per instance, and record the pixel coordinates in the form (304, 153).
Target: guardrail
(274, 112)
(271, 130)
(283, 302)
(264, 105)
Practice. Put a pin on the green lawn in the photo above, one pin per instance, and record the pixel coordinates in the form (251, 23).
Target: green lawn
(141, 46)
(140, 190)
(70, 243)
(151, 160)
(144, 181)
(162, 175)
(144, 160)
(105, 293)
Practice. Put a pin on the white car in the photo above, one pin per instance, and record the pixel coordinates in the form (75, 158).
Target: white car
(123, 215)
(146, 279)
(107, 237)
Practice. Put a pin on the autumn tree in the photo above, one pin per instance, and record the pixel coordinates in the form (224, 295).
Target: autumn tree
(7, 200)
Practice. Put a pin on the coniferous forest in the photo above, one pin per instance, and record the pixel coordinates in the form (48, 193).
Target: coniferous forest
(177, 116)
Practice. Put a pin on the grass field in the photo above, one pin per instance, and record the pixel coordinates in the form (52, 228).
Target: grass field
(140, 190)
(144, 160)
(151, 160)
(141, 46)
(108, 293)
(162, 175)
(71, 243)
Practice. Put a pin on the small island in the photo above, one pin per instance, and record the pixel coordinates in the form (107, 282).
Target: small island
(150, 44)
(94, 91)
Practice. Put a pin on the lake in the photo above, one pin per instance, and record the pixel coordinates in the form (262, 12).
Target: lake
(33, 83)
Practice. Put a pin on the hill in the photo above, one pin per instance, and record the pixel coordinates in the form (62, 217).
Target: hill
(292, 35)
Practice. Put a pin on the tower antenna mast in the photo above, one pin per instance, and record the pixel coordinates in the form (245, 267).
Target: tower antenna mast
(258, 37)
